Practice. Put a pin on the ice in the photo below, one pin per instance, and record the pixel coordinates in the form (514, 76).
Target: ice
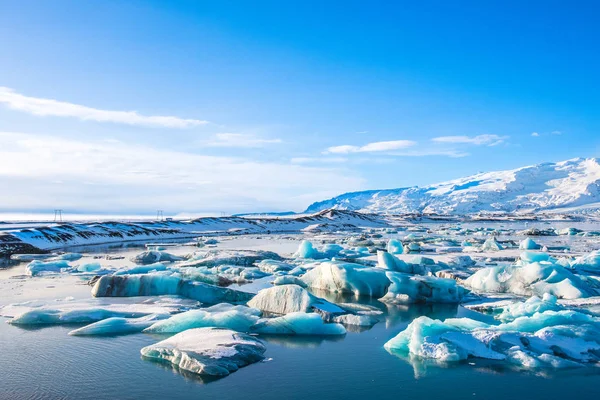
(554, 339)
(395, 246)
(287, 299)
(118, 325)
(89, 267)
(298, 323)
(529, 307)
(349, 278)
(407, 288)
(37, 267)
(491, 244)
(273, 266)
(141, 269)
(207, 351)
(162, 284)
(357, 319)
(47, 316)
(288, 280)
(533, 256)
(589, 263)
(243, 258)
(529, 244)
(153, 256)
(307, 250)
(536, 278)
(389, 262)
(237, 318)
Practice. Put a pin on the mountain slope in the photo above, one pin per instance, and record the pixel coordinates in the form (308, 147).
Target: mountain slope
(547, 186)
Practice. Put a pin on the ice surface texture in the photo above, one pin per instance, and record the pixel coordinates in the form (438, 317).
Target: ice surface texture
(207, 351)
(298, 323)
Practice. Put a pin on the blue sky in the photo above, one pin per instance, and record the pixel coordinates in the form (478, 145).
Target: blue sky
(273, 105)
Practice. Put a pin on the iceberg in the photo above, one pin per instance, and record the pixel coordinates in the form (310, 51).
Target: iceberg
(307, 250)
(37, 267)
(207, 351)
(243, 258)
(349, 278)
(527, 308)
(117, 325)
(286, 299)
(237, 318)
(387, 261)
(154, 256)
(48, 316)
(589, 263)
(141, 269)
(89, 267)
(272, 266)
(394, 246)
(298, 323)
(536, 278)
(288, 280)
(529, 244)
(551, 339)
(407, 288)
(491, 244)
(160, 284)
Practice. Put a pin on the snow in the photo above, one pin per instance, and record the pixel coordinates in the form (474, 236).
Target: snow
(544, 186)
(117, 325)
(298, 323)
(287, 299)
(407, 288)
(162, 284)
(207, 351)
(237, 318)
(153, 256)
(340, 277)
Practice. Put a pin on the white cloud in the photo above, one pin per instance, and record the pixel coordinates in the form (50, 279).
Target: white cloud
(556, 133)
(50, 107)
(480, 140)
(239, 140)
(535, 134)
(371, 147)
(45, 172)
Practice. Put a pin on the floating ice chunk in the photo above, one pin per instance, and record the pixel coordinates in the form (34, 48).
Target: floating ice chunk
(118, 325)
(273, 266)
(589, 263)
(204, 274)
(141, 269)
(46, 316)
(153, 256)
(298, 323)
(287, 299)
(533, 256)
(37, 267)
(357, 319)
(444, 341)
(421, 289)
(387, 261)
(529, 307)
(413, 247)
(461, 262)
(491, 244)
(536, 278)
(207, 351)
(569, 231)
(89, 267)
(243, 258)
(288, 280)
(237, 318)
(395, 246)
(307, 250)
(341, 277)
(160, 284)
(529, 244)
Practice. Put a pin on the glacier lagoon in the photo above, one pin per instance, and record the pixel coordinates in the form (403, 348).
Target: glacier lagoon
(354, 365)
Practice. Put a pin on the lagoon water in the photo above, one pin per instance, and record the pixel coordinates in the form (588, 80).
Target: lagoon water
(46, 363)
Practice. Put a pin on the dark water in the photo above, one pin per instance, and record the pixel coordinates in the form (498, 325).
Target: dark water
(47, 364)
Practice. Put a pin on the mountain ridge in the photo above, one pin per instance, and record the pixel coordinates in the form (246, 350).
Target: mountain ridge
(534, 188)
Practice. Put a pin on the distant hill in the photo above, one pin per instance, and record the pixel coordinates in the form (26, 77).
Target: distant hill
(572, 184)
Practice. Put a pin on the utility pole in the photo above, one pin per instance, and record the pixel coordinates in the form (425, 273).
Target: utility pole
(58, 215)
(159, 215)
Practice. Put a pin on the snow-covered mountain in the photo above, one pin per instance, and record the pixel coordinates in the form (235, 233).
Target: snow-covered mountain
(547, 186)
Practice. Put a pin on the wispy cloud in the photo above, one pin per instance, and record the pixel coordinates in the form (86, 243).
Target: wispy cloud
(535, 134)
(322, 160)
(480, 140)
(371, 147)
(49, 107)
(108, 175)
(239, 140)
